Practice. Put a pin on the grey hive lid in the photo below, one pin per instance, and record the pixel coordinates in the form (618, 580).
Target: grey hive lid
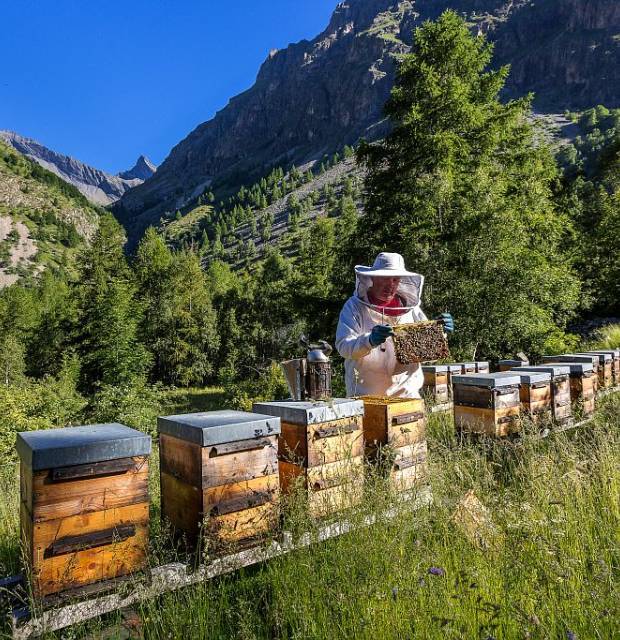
(571, 357)
(455, 368)
(209, 428)
(553, 369)
(468, 365)
(483, 364)
(514, 363)
(528, 377)
(490, 380)
(305, 413)
(53, 448)
(435, 368)
(607, 354)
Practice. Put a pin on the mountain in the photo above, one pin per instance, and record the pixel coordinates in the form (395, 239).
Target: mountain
(43, 220)
(142, 170)
(316, 96)
(98, 186)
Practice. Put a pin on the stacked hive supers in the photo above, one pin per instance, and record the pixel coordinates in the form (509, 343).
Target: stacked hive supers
(487, 403)
(84, 504)
(219, 468)
(605, 368)
(611, 359)
(583, 384)
(534, 392)
(396, 427)
(321, 446)
(436, 383)
(560, 390)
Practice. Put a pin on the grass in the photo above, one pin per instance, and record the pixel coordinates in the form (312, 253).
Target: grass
(542, 560)
(605, 338)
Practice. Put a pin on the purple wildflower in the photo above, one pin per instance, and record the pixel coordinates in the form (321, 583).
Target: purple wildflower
(571, 635)
(437, 571)
(394, 593)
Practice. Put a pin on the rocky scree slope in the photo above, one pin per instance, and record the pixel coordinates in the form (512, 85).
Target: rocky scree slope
(43, 220)
(98, 186)
(315, 96)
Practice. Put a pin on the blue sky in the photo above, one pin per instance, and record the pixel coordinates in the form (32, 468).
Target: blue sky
(106, 81)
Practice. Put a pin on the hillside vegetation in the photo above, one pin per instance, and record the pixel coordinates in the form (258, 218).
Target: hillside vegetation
(43, 220)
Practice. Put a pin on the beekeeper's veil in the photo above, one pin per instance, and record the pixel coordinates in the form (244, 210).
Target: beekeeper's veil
(390, 265)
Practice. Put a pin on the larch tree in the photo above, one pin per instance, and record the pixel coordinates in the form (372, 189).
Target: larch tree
(464, 190)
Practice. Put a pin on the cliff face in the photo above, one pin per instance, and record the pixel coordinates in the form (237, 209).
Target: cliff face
(98, 186)
(315, 96)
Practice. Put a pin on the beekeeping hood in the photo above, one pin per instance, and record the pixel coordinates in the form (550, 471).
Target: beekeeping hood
(391, 265)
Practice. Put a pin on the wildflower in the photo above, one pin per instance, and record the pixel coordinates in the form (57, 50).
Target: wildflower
(437, 571)
(421, 582)
(571, 635)
(394, 593)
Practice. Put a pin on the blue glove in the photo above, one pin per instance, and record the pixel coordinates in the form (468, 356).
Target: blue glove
(448, 322)
(379, 334)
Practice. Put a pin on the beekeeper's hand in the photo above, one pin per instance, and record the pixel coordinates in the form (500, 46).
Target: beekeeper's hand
(447, 320)
(380, 333)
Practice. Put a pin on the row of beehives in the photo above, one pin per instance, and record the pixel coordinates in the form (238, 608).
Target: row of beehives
(494, 403)
(84, 490)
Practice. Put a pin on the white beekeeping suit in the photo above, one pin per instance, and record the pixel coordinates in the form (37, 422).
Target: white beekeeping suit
(375, 370)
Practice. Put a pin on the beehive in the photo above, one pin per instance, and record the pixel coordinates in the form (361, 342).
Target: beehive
(436, 382)
(322, 444)
(453, 370)
(486, 403)
(509, 365)
(399, 426)
(560, 389)
(534, 392)
(482, 367)
(615, 364)
(84, 504)
(605, 368)
(468, 367)
(219, 475)
(582, 386)
(571, 357)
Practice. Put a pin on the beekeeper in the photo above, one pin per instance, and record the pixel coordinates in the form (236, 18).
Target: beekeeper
(386, 294)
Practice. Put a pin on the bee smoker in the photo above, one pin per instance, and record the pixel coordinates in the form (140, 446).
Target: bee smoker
(310, 378)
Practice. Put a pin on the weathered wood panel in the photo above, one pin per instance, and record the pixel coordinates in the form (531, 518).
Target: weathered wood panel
(239, 467)
(321, 443)
(492, 422)
(55, 570)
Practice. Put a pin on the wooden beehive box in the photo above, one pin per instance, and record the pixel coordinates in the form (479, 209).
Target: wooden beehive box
(567, 358)
(534, 392)
(454, 369)
(605, 368)
(560, 389)
(482, 367)
(219, 475)
(321, 446)
(436, 382)
(509, 365)
(614, 355)
(398, 426)
(468, 367)
(487, 403)
(582, 386)
(84, 504)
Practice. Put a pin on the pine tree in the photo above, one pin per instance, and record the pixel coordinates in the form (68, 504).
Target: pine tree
(108, 314)
(461, 188)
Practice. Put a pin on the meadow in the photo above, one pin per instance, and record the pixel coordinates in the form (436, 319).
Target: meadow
(536, 556)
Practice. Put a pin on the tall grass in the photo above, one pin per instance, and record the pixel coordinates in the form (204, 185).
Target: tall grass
(606, 338)
(547, 566)
(541, 561)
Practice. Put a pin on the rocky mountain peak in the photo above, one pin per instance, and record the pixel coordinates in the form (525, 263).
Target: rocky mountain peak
(315, 96)
(142, 170)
